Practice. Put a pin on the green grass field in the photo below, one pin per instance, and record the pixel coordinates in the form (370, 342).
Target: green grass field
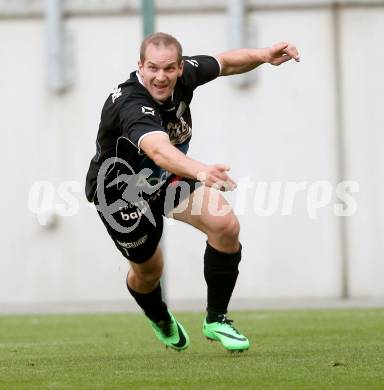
(313, 349)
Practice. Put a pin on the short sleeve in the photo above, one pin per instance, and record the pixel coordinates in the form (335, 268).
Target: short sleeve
(199, 70)
(139, 118)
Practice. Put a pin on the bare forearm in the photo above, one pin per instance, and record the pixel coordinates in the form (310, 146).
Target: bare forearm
(241, 60)
(165, 155)
(171, 159)
(244, 60)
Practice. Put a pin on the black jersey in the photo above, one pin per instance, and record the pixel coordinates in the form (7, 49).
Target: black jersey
(130, 113)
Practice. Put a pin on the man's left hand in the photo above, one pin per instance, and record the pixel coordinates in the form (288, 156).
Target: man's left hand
(280, 53)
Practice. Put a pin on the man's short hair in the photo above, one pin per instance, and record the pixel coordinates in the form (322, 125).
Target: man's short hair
(160, 39)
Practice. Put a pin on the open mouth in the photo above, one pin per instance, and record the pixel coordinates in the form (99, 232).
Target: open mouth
(160, 87)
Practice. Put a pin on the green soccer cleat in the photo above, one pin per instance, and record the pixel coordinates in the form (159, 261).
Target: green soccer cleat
(172, 334)
(223, 331)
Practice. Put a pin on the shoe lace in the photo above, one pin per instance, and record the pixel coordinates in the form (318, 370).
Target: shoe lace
(225, 320)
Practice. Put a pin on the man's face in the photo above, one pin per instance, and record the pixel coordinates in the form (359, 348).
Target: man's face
(160, 71)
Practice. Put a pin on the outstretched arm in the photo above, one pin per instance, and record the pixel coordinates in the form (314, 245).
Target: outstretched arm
(243, 60)
(160, 150)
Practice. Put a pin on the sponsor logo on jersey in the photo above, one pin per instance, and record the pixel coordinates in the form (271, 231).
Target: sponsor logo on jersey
(179, 132)
(193, 63)
(148, 110)
(133, 215)
(116, 93)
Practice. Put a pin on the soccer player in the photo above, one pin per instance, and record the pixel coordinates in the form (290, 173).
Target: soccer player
(141, 172)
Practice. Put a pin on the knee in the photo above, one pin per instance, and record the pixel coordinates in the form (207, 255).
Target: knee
(149, 277)
(227, 228)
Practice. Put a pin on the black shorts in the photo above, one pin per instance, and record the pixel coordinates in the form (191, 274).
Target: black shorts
(134, 218)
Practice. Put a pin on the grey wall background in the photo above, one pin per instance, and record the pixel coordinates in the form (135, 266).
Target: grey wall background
(319, 120)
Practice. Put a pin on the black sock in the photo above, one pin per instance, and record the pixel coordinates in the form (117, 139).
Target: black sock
(220, 272)
(152, 304)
